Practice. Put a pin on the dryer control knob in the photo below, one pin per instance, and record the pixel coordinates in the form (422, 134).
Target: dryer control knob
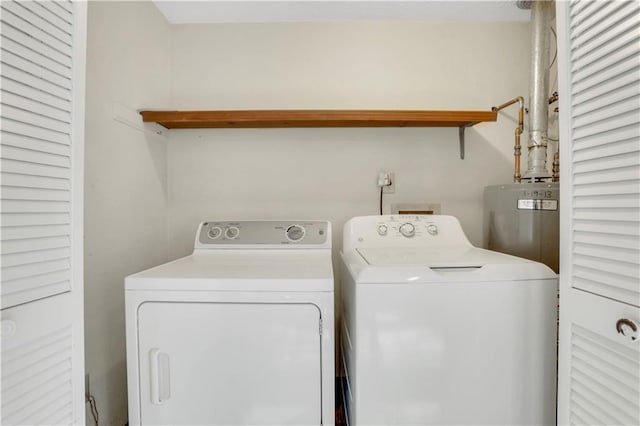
(432, 229)
(407, 229)
(232, 232)
(382, 230)
(295, 233)
(214, 232)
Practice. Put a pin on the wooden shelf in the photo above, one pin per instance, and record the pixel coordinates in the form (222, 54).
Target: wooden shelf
(252, 119)
(315, 118)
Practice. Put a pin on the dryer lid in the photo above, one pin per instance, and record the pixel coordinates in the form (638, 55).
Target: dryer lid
(241, 270)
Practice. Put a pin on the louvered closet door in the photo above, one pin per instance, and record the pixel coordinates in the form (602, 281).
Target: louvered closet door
(36, 150)
(41, 111)
(599, 75)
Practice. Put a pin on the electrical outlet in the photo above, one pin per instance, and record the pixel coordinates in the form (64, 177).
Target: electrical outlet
(386, 180)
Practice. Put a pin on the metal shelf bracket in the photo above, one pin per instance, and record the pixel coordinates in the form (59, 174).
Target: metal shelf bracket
(461, 130)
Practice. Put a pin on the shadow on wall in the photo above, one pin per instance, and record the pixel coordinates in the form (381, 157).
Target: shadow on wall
(325, 174)
(114, 400)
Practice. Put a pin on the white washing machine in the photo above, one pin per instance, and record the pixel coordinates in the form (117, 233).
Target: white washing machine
(436, 331)
(239, 332)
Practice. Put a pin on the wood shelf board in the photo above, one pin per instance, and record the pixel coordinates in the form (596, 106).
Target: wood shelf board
(315, 118)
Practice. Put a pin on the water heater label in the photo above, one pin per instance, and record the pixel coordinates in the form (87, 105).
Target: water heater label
(537, 204)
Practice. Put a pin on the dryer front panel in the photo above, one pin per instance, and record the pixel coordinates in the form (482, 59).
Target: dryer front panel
(229, 363)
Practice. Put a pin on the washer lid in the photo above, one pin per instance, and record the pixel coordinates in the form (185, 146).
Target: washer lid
(447, 264)
(440, 257)
(241, 270)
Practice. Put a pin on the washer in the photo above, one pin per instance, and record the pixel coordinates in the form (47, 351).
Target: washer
(239, 332)
(436, 331)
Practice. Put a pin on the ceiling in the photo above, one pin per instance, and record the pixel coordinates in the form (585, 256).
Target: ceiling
(244, 11)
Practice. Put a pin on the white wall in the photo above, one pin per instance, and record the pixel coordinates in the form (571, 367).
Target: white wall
(144, 198)
(331, 173)
(125, 183)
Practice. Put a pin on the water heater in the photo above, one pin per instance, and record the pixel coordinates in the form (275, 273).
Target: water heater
(523, 219)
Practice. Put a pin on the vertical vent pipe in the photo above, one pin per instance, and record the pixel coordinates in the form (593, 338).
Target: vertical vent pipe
(541, 15)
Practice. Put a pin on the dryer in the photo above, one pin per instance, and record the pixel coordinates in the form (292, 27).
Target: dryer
(239, 332)
(437, 331)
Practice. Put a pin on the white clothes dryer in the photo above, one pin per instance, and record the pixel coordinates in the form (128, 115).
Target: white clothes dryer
(436, 331)
(239, 332)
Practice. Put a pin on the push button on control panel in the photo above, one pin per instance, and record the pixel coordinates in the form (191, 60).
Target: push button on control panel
(382, 230)
(432, 229)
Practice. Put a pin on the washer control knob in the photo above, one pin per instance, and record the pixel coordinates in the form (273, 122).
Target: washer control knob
(382, 230)
(214, 232)
(407, 229)
(432, 229)
(295, 233)
(232, 232)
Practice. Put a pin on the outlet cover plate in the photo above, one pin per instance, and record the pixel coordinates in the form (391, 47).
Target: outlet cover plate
(391, 188)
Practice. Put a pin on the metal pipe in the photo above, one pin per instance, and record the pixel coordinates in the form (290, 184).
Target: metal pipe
(541, 14)
(509, 103)
(556, 167)
(517, 151)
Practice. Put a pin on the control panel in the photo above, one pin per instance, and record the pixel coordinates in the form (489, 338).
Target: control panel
(403, 230)
(406, 227)
(268, 232)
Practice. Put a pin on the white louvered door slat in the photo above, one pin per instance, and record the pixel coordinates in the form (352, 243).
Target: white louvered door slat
(20, 37)
(21, 141)
(619, 122)
(10, 165)
(614, 148)
(39, 108)
(56, 10)
(595, 30)
(604, 370)
(23, 19)
(596, 41)
(35, 132)
(25, 77)
(582, 20)
(25, 154)
(33, 56)
(599, 82)
(44, 10)
(33, 94)
(41, 155)
(40, 356)
(63, 4)
(61, 29)
(18, 259)
(34, 182)
(35, 156)
(31, 219)
(606, 188)
(37, 70)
